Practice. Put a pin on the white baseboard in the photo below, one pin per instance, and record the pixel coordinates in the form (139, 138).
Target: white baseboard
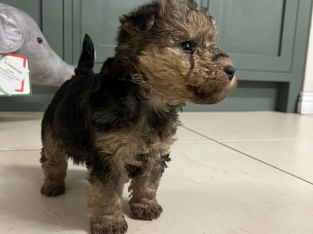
(305, 103)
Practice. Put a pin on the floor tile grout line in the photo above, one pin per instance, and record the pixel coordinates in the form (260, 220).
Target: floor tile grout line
(268, 140)
(247, 155)
(14, 150)
(200, 134)
(265, 163)
(249, 140)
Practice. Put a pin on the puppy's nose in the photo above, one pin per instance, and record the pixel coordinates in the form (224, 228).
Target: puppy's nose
(230, 71)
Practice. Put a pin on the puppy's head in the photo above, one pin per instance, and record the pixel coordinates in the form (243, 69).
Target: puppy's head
(173, 45)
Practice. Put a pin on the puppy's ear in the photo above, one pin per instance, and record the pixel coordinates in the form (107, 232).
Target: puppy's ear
(141, 19)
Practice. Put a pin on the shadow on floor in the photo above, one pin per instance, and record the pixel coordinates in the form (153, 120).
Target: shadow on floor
(21, 199)
(20, 118)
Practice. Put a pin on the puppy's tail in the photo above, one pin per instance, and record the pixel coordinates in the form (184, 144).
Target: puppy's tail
(87, 58)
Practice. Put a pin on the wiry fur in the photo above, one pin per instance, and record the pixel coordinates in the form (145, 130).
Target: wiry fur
(122, 122)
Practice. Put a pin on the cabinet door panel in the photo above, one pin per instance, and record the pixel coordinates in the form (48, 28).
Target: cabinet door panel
(100, 19)
(258, 35)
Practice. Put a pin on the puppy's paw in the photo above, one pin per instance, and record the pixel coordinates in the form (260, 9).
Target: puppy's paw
(146, 211)
(52, 190)
(109, 227)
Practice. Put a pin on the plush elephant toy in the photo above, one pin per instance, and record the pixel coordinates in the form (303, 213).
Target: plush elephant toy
(20, 34)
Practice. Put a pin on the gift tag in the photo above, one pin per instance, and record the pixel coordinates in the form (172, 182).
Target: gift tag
(14, 75)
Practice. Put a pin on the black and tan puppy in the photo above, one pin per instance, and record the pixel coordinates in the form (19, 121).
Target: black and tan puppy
(122, 122)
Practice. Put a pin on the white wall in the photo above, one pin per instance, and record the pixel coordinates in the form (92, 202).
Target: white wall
(305, 104)
(308, 80)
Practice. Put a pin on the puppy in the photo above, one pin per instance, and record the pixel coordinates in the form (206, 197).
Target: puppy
(121, 122)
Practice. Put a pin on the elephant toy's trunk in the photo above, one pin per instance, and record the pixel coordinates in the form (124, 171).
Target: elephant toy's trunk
(55, 71)
(47, 68)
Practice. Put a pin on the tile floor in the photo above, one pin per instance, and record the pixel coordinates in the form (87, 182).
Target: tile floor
(231, 173)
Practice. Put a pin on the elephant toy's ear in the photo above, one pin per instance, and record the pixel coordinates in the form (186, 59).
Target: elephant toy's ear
(11, 32)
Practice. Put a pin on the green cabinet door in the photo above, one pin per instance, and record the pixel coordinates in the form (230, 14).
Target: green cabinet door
(258, 35)
(100, 19)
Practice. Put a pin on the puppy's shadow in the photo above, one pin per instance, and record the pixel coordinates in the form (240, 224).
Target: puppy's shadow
(21, 197)
(20, 118)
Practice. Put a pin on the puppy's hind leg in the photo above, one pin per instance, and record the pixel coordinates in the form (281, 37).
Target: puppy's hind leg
(54, 166)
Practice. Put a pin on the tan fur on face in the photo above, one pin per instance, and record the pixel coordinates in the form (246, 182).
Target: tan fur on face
(180, 78)
(207, 80)
(199, 29)
(174, 75)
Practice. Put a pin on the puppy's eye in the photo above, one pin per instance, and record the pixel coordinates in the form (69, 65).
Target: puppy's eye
(39, 39)
(188, 46)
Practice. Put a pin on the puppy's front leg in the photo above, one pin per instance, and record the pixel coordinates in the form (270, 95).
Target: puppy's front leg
(143, 203)
(104, 196)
